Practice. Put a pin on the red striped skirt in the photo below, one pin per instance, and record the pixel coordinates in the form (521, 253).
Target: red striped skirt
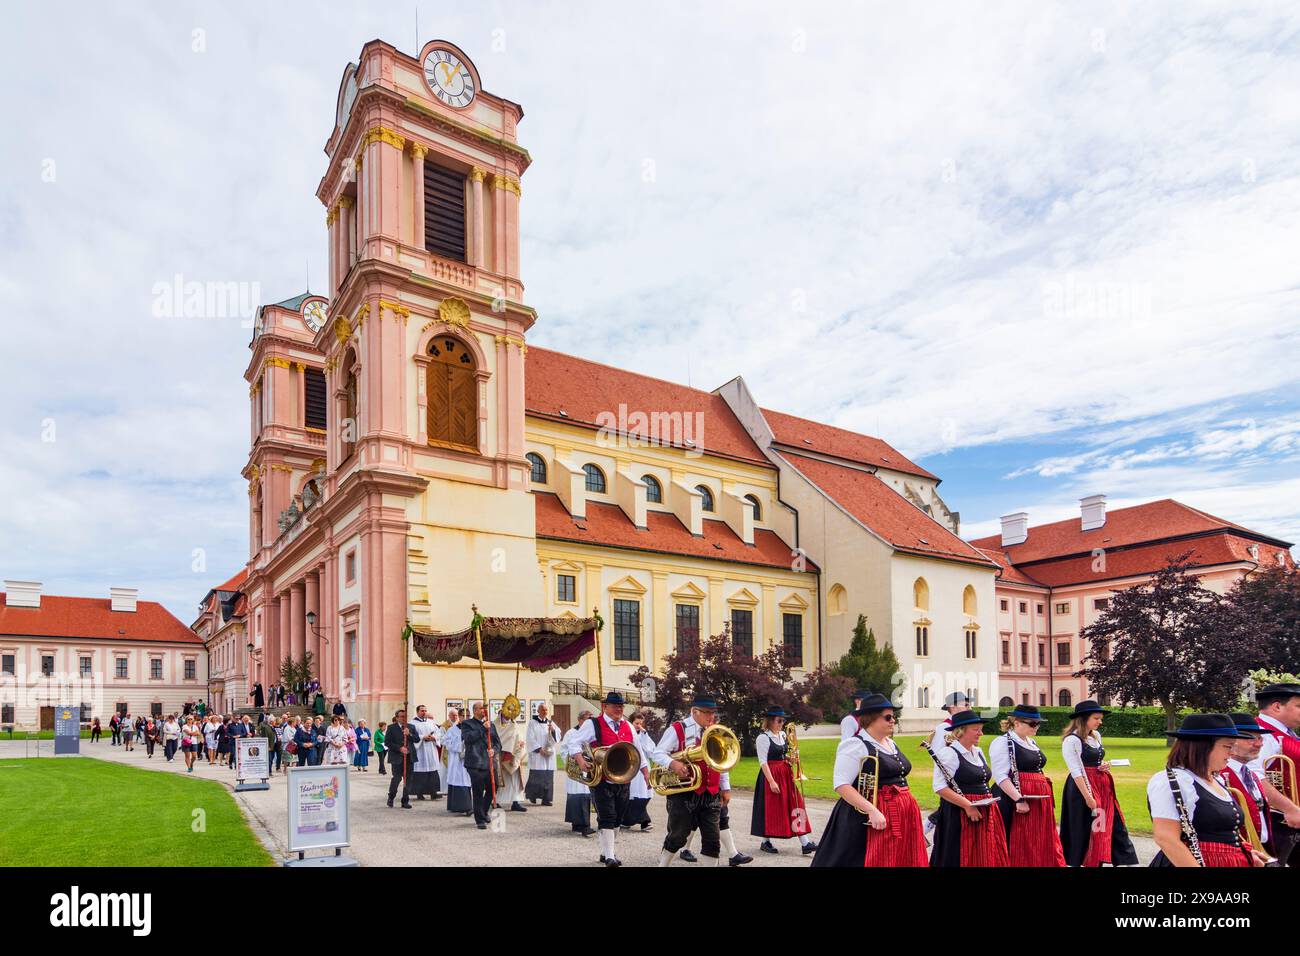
(1033, 838)
(784, 815)
(1224, 854)
(1102, 785)
(984, 843)
(902, 841)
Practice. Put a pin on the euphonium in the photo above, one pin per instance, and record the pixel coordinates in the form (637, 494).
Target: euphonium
(718, 749)
(1284, 777)
(1252, 835)
(618, 763)
(869, 779)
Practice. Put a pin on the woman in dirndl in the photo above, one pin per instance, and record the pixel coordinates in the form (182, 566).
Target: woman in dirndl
(1195, 821)
(1025, 793)
(1093, 831)
(778, 812)
(883, 832)
(969, 829)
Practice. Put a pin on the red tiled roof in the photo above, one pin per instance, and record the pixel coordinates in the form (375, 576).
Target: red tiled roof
(94, 619)
(235, 583)
(1138, 524)
(1009, 573)
(607, 525)
(585, 390)
(1215, 549)
(839, 442)
(885, 512)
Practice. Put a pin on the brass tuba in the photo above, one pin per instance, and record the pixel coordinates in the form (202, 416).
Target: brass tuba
(718, 749)
(618, 763)
(1283, 777)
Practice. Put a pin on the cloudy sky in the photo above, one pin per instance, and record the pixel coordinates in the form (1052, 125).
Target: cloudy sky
(1048, 250)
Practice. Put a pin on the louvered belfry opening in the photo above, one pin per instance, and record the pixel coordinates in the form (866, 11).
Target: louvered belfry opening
(452, 390)
(315, 403)
(444, 212)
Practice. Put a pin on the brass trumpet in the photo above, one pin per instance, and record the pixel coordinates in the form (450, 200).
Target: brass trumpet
(618, 763)
(718, 749)
(869, 779)
(1284, 777)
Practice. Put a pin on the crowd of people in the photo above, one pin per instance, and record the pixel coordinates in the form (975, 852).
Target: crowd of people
(1228, 796)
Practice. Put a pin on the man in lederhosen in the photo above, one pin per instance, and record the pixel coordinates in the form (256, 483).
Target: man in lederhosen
(700, 808)
(610, 799)
(1279, 716)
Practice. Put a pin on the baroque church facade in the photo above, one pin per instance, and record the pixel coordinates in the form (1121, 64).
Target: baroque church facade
(412, 456)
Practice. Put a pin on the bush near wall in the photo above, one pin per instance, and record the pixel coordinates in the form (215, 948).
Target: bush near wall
(1120, 722)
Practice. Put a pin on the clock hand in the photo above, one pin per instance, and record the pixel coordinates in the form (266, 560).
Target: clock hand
(453, 75)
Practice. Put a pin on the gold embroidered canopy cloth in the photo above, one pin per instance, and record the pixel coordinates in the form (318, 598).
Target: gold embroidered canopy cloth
(537, 643)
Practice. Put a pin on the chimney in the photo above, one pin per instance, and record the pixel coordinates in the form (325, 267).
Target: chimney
(1015, 528)
(123, 599)
(23, 593)
(1093, 510)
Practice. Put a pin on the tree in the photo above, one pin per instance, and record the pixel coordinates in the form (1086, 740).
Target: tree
(294, 672)
(744, 685)
(867, 666)
(1267, 606)
(1170, 641)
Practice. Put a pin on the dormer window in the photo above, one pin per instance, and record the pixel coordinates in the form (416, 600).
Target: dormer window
(538, 473)
(706, 497)
(653, 490)
(595, 478)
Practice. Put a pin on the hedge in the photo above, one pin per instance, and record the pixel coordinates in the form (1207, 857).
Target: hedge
(1120, 722)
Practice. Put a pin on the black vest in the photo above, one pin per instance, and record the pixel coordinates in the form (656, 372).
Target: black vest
(1215, 820)
(775, 750)
(1027, 761)
(894, 768)
(970, 778)
(1092, 756)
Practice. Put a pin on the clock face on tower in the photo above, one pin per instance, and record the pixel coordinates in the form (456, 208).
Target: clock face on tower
(449, 78)
(313, 314)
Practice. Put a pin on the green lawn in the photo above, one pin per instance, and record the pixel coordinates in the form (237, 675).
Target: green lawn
(75, 811)
(40, 735)
(1148, 756)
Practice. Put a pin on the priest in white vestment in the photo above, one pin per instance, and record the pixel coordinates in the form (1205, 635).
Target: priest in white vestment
(542, 736)
(460, 799)
(424, 773)
(510, 781)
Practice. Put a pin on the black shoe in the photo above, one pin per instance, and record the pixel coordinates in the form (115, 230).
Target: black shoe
(740, 859)
(518, 807)
(687, 856)
(482, 826)
(547, 803)
(809, 848)
(766, 847)
(436, 796)
(587, 832)
(407, 806)
(390, 803)
(613, 862)
(647, 827)
(420, 796)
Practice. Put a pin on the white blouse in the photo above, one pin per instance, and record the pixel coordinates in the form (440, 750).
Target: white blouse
(1161, 797)
(1072, 751)
(764, 743)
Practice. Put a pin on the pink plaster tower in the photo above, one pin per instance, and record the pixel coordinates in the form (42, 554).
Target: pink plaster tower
(415, 480)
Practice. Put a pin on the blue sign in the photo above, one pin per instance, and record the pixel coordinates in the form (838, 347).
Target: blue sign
(67, 730)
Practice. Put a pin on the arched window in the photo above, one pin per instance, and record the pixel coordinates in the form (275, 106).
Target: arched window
(1006, 702)
(538, 473)
(837, 600)
(968, 601)
(653, 490)
(1064, 699)
(706, 497)
(758, 509)
(350, 426)
(452, 390)
(595, 478)
(921, 595)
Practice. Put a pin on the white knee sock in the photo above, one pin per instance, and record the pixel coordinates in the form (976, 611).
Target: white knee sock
(728, 842)
(666, 857)
(805, 839)
(607, 844)
(613, 842)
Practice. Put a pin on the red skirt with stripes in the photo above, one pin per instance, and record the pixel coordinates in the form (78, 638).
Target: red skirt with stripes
(1033, 838)
(1224, 854)
(902, 841)
(984, 843)
(1103, 791)
(784, 814)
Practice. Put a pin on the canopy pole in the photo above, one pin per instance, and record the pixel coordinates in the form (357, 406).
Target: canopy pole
(487, 710)
(600, 672)
(518, 667)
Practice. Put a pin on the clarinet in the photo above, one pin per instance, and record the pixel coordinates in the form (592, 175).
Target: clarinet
(1015, 771)
(1184, 820)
